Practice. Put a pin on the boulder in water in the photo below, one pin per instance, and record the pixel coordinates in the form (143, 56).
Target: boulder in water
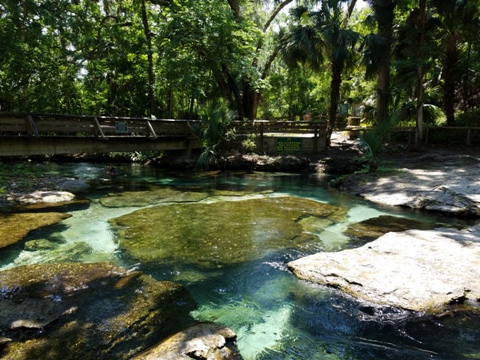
(429, 271)
(202, 341)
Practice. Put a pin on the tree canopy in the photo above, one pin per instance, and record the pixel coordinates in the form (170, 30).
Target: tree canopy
(265, 59)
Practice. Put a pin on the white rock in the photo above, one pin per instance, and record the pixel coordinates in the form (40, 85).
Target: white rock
(415, 270)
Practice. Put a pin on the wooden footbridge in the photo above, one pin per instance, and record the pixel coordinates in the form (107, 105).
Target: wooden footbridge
(24, 134)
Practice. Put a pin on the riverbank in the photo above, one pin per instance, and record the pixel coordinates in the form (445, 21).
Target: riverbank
(444, 180)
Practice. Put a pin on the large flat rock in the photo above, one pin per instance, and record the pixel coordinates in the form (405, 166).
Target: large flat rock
(212, 235)
(430, 271)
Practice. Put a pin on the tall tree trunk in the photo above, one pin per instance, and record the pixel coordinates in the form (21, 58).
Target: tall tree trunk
(151, 76)
(384, 10)
(334, 94)
(451, 60)
(251, 99)
(420, 75)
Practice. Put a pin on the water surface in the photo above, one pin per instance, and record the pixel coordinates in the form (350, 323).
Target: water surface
(275, 315)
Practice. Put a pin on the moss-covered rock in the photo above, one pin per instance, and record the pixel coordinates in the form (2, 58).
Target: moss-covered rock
(166, 194)
(89, 311)
(152, 196)
(215, 234)
(373, 228)
(14, 227)
(40, 244)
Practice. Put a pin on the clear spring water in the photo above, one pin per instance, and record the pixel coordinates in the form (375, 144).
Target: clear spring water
(275, 315)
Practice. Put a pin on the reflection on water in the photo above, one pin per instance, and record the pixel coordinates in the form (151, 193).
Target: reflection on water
(275, 315)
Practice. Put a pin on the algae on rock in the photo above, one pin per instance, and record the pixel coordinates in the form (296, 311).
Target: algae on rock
(152, 196)
(373, 228)
(216, 234)
(90, 311)
(14, 227)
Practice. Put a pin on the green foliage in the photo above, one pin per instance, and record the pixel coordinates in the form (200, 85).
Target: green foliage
(213, 131)
(468, 118)
(87, 57)
(373, 140)
(18, 175)
(249, 145)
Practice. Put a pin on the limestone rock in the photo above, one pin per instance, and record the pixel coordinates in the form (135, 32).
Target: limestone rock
(450, 188)
(14, 227)
(202, 341)
(70, 205)
(430, 271)
(220, 233)
(46, 196)
(86, 311)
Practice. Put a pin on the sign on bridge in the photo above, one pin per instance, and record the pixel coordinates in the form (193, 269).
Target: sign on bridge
(121, 127)
(288, 145)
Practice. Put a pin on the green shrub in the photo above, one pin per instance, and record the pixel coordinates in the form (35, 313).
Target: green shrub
(213, 131)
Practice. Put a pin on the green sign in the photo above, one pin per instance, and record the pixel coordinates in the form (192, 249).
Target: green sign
(121, 127)
(288, 145)
(344, 109)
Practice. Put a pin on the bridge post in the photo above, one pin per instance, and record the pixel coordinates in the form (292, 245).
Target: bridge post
(316, 131)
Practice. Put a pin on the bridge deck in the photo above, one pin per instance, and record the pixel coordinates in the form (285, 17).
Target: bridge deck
(39, 134)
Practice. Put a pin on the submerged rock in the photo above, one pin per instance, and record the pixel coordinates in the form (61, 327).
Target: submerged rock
(70, 252)
(73, 185)
(152, 196)
(14, 227)
(89, 311)
(215, 234)
(430, 271)
(373, 228)
(40, 244)
(202, 341)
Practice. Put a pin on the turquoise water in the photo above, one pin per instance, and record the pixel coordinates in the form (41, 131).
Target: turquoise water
(275, 315)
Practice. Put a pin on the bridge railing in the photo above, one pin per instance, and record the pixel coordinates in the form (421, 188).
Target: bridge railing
(36, 125)
(266, 127)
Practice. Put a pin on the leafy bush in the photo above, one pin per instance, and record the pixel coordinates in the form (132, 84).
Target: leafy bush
(213, 131)
(468, 118)
(373, 140)
(249, 145)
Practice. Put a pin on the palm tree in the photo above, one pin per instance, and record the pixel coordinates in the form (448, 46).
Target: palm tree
(456, 17)
(379, 61)
(320, 35)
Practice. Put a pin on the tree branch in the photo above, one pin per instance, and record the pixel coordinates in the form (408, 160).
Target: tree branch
(275, 13)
